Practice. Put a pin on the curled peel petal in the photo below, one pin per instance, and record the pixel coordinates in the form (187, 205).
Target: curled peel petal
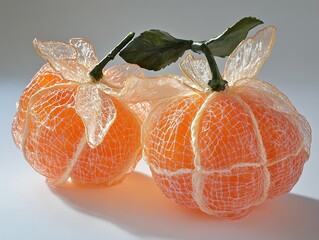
(113, 82)
(97, 112)
(116, 76)
(143, 93)
(107, 90)
(197, 70)
(86, 53)
(140, 89)
(247, 59)
(63, 58)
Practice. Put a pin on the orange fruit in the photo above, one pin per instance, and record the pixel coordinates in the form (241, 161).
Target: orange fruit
(69, 127)
(227, 152)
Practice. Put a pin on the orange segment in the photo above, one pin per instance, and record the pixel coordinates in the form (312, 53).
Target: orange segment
(46, 77)
(285, 174)
(227, 134)
(53, 131)
(177, 187)
(168, 142)
(235, 190)
(280, 135)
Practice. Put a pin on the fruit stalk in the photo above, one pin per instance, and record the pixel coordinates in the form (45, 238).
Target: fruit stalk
(97, 72)
(217, 83)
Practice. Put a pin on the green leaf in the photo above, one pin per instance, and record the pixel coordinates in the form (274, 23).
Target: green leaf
(155, 49)
(225, 44)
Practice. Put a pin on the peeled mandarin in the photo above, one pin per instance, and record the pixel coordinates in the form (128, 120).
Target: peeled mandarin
(227, 152)
(69, 127)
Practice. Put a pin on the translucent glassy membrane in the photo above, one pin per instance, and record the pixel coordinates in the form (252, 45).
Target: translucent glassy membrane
(86, 53)
(139, 89)
(142, 109)
(197, 70)
(97, 112)
(247, 59)
(116, 76)
(63, 58)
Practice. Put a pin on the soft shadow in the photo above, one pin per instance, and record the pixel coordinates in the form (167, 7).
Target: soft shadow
(137, 206)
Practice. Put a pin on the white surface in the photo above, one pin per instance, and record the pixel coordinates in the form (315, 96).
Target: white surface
(136, 209)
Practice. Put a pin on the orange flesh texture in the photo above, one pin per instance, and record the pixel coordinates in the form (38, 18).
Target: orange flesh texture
(168, 144)
(54, 131)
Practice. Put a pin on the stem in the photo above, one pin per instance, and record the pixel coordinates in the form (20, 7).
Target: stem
(97, 72)
(217, 83)
(212, 63)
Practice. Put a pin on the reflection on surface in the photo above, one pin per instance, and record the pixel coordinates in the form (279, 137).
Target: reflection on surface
(137, 206)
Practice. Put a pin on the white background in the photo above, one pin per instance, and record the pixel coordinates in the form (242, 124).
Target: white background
(136, 209)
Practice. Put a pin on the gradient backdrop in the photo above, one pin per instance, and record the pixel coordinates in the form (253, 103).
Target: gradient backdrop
(29, 209)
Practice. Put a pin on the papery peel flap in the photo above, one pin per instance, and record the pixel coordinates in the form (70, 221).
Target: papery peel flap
(97, 112)
(70, 61)
(140, 89)
(249, 56)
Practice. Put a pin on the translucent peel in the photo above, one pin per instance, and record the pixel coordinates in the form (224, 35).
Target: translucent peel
(86, 53)
(98, 113)
(127, 83)
(245, 61)
(64, 58)
(137, 89)
(197, 70)
(116, 76)
(249, 56)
